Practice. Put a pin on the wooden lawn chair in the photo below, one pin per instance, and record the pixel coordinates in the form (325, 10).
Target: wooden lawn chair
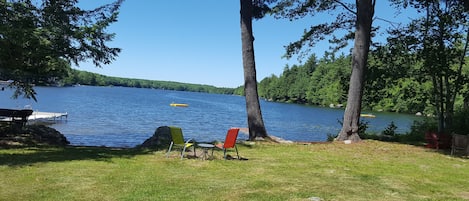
(460, 143)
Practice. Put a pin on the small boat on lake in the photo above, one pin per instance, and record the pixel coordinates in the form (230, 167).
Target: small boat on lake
(368, 115)
(179, 105)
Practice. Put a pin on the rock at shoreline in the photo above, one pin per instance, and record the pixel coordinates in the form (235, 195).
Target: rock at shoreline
(33, 135)
(160, 139)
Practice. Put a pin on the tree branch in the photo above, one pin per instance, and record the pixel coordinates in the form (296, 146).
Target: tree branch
(345, 6)
(388, 21)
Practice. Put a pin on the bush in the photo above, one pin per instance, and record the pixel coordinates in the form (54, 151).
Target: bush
(388, 135)
(418, 129)
(331, 137)
(390, 130)
(363, 125)
(461, 122)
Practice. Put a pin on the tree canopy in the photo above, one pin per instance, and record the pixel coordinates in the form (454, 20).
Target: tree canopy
(40, 39)
(439, 41)
(355, 19)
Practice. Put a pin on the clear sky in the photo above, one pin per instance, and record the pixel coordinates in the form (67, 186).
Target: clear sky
(199, 42)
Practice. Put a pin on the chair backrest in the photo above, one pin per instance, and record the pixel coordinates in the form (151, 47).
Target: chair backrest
(176, 135)
(231, 136)
(431, 136)
(460, 141)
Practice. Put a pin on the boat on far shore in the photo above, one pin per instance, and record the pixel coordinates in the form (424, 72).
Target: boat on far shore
(178, 105)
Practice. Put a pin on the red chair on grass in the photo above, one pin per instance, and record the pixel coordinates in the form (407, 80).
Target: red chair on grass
(230, 141)
(432, 140)
(437, 141)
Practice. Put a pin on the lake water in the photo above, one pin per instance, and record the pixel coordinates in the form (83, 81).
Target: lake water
(126, 117)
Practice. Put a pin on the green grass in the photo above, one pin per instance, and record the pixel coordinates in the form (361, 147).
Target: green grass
(370, 170)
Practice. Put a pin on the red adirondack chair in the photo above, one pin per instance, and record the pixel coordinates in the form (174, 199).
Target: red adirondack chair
(230, 141)
(435, 141)
(432, 140)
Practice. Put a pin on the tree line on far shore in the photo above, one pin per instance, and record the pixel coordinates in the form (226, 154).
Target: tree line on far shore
(75, 77)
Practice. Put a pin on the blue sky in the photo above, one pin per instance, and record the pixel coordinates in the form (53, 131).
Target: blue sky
(200, 41)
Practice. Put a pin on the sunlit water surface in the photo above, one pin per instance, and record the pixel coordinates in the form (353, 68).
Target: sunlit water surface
(126, 117)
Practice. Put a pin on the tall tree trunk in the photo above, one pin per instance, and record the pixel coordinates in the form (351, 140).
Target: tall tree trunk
(438, 94)
(365, 12)
(459, 81)
(253, 108)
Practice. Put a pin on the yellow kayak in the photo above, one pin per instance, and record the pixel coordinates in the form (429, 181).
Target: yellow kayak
(178, 105)
(368, 115)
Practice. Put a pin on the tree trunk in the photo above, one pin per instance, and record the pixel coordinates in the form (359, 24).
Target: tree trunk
(365, 12)
(253, 108)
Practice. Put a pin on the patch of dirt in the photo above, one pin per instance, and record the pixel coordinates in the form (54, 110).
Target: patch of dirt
(464, 195)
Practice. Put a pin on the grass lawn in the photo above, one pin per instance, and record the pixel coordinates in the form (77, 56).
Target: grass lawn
(370, 170)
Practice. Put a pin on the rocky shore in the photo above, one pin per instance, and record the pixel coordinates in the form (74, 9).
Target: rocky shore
(31, 135)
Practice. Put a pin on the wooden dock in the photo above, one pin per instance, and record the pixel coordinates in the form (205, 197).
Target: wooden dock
(47, 116)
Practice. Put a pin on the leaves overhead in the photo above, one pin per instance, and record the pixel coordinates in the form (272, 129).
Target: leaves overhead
(39, 39)
(338, 31)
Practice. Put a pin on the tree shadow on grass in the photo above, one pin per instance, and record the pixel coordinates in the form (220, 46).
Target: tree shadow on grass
(32, 155)
(444, 149)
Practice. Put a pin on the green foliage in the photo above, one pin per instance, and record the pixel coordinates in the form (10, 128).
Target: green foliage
(388, 135)
(331, 137)
(421, 69)
(329, 81)
(439, 40)
(38, 41)
(339, 32)
(362, 127)
(260, 8)
(239, 91)
(414, 136)
(316, 82)
(390, 130)
(394, 83)
(420, 127)
(461, 122)
(86, 78)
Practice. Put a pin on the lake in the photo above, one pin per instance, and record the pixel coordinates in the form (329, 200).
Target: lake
(126, 117)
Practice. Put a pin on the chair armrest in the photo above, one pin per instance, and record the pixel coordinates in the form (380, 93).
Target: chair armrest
(190, 140)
